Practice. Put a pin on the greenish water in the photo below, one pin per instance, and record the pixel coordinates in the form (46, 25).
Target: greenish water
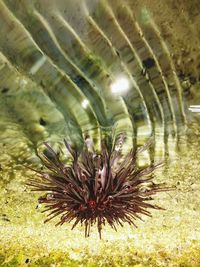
(72, 69)
(170, 238)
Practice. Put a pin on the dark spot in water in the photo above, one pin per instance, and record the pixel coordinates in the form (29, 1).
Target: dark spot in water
(117, 52)
(42, 122)
(5, 218)
(27, 260)
(193, 79)
(5, 90)
(79, 80)
(1, 169)
(42, 84)
(49, 154)
(148, 63)
(181, 75)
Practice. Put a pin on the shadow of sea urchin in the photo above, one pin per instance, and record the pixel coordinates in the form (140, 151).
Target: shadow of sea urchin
(97, 187)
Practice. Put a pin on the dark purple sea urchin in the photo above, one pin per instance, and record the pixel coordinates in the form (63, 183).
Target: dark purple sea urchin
(97, 187)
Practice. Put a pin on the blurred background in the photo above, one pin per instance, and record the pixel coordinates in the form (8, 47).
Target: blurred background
(75, 68)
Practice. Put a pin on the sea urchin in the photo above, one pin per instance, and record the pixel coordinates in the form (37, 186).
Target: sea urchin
(96, 187)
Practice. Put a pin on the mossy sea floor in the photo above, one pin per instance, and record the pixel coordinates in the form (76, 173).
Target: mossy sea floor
(169, 238)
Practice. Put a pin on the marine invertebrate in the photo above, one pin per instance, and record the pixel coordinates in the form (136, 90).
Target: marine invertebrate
(97, 187)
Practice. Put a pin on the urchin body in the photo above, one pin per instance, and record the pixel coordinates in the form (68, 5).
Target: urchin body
(96, 188)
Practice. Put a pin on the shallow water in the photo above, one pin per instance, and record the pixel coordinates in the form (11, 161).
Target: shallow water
(170, 238)
(71, 69)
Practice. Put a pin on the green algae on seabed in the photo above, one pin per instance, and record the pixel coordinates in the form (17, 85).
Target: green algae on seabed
(170, 238)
